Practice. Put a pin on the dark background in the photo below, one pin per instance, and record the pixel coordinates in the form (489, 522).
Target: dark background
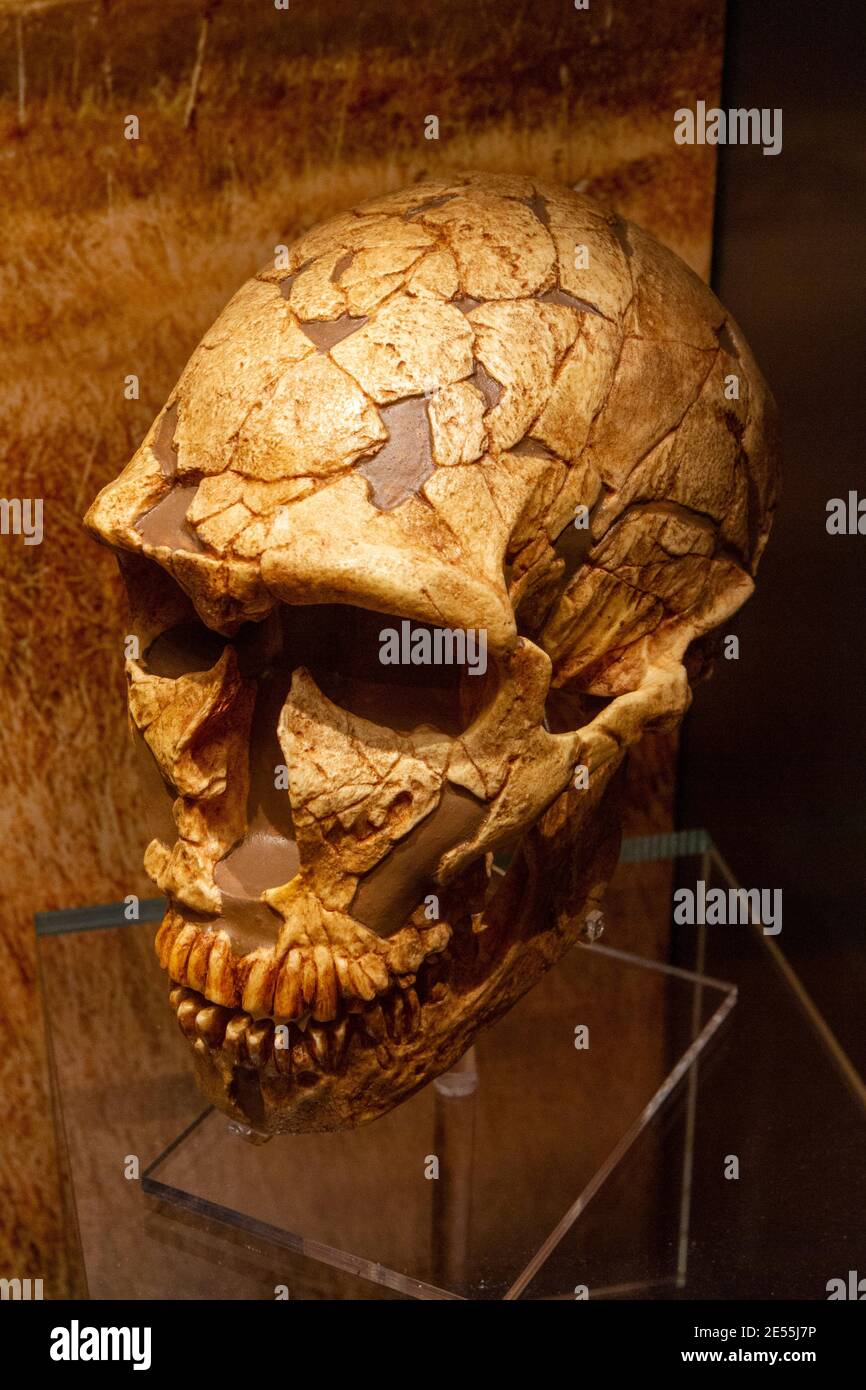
(772, 758)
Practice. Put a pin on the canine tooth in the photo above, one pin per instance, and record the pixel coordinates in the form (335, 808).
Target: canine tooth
(326, 993)
(339, 1040)
(376, 969)
(258, 994)
(196, 966)
(180, 953)
(210, 1024)
(361, 981)
(165, 939)
(288, 1000)
(308, 980)
(235, 1035)
(260, 1042)
(317, 1045)
(412, 1014)
(186, 1013)
(220, 984)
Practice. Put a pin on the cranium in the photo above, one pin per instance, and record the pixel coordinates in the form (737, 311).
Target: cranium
(484, 406)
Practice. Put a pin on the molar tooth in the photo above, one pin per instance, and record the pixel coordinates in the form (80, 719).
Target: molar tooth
(288, 996)
(196, 966)
(364, 986)
(260, 1042)
(210, 1024)
(436, 937)
(326, 994)
(220, 985)
(377, 971)
(235, 1036)
(406, 951)
(180, 953)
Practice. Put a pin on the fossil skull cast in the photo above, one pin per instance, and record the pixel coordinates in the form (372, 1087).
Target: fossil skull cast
(491, 429)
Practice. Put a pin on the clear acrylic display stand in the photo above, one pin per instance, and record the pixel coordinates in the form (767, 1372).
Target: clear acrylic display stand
(539, 1167)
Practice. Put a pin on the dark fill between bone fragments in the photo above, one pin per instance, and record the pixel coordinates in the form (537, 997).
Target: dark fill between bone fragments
(489, 387)
(393, 889)
(405, 460)
(166, 523)
(163, 442)
(326, 333)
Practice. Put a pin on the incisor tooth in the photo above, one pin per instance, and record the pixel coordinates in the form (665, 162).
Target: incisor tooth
(186, 1013)
(177, 994)
(412, 1012)
(308, 980)
(180, 953)
(220, 985)
(394, 1016)
(165, 939)
(339, 1039)
(344, 979)
(326, 993)
(260, 1042)
(210, 1024)
(196, 966)
(259, 989)
(283, 1048)
(317, 1043)
(373, 1021)
(288, 998)
(235, 1035)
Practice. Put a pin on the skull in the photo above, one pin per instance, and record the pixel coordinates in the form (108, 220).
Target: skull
(497, 430)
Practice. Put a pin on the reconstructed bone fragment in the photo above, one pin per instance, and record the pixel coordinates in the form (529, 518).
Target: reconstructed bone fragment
(436, 418)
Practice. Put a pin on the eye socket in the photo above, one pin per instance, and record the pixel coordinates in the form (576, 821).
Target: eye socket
(186, 647)
(347, 662)
(343, 648)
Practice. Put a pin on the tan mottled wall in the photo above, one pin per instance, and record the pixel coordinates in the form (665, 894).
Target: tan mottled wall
(119, 255)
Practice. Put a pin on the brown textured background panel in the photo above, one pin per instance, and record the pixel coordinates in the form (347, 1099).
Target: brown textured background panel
(125, 251)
